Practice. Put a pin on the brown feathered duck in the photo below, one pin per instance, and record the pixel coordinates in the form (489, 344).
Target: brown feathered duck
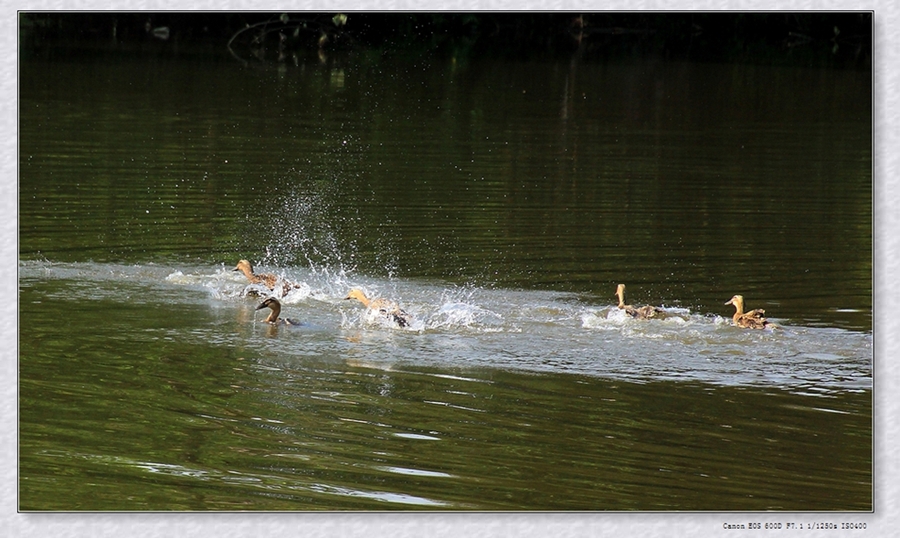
(275, 306)
(642, 312)
(385, 307)
(266, 279)
(754, 319)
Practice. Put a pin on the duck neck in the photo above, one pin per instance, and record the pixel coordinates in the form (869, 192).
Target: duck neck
(621, 295)
(248, 273)
(273, 316)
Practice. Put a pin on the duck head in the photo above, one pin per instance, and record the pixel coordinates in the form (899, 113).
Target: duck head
(244, 267)
(359, 295)
(738, 302)
(272, 304)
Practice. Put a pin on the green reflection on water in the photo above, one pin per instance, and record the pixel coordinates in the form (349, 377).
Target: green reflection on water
(689, 182)
(141, 411)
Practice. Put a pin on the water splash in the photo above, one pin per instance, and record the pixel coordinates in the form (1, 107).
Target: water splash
(304, 230)
(314, 218)
(459, 310)
(464, 327)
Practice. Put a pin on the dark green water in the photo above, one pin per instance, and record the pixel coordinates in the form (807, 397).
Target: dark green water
(500, 203)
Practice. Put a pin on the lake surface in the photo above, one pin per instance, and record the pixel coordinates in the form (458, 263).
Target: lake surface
(499, 203)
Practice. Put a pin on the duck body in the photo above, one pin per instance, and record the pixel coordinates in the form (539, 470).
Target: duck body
(637, 312)
(266, 279)
(275, 306)
(384, 307)
(644, 312)
(754, 319)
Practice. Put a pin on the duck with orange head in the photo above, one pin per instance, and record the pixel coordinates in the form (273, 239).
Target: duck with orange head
(754, 319)
(268, 280)
(384, 307)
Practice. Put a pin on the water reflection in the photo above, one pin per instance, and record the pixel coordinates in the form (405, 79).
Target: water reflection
(499, 204)
(510, 329)
(676, 177)
(365, 417)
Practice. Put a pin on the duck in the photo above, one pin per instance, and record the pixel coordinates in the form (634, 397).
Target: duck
(275, 306)
(754, 319)
(266, 279)
(641, 312)
(385, 307)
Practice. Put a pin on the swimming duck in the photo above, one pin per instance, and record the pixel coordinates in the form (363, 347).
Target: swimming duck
(383, 306)
(642, 312)
(272, 304)
(266, 279)
(753, 319)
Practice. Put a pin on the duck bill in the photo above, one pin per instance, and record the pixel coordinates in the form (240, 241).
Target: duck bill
(730, 302)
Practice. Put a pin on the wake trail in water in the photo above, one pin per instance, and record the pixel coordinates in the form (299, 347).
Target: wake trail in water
(470, 326)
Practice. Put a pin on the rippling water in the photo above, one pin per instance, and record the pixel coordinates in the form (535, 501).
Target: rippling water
(485, 384)
(470, 327)
(499, 203)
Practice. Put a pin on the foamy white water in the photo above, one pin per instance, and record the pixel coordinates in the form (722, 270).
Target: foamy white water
(470, 327)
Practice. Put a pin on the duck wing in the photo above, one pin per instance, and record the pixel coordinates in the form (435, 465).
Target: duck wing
(401, 318)
(391, 311)
(753, 319)
(395, 314)
(647, 312)
(643, 312)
